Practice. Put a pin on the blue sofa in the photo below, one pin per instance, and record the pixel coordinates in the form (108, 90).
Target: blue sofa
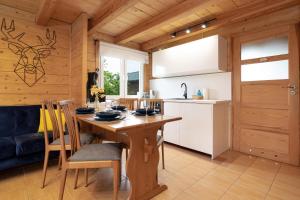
(20, 142)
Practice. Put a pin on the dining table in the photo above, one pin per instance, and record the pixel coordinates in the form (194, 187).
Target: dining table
(139, 134)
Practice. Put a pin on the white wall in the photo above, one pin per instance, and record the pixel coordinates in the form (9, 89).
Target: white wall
(218, 84)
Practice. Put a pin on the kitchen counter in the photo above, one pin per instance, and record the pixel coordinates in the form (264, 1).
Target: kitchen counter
(209, 101)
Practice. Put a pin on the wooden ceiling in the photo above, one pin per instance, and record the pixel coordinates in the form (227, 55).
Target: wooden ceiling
(146, 22)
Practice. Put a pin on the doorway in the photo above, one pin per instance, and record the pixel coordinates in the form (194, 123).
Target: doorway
(266, 95)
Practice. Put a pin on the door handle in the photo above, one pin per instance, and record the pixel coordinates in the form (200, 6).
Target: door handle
(292, 89)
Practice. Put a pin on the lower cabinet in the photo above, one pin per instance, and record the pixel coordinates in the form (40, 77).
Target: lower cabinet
(204, 127)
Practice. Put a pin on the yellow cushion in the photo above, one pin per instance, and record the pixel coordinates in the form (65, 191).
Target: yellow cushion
(48, 121)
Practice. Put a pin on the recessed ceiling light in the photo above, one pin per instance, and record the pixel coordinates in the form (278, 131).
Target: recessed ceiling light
(188, 30)
(173, 35)
(204, 25)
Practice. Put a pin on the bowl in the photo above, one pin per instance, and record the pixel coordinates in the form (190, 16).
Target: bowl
(108, 114)
(122, 108)
(143, 111)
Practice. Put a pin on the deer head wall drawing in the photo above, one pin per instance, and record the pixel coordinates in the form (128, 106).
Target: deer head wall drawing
(29, 67)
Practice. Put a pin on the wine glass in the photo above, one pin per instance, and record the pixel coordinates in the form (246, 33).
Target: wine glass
(108, 104)
(146, 105)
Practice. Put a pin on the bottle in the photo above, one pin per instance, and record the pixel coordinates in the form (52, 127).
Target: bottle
(205, 93)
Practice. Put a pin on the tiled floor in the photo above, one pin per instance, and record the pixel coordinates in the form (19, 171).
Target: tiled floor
(189, 176)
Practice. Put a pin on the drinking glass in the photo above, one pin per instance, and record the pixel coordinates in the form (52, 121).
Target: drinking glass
(146, 105)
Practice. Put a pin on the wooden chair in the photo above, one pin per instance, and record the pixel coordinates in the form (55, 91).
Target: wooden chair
(55, 144)
(158, 106)
(130, 103)
(106, 155)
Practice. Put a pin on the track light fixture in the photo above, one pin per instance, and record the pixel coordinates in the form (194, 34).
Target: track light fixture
(204, 25)
(188, 30)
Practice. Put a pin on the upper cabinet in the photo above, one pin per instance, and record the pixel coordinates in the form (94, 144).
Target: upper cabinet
(206, 55)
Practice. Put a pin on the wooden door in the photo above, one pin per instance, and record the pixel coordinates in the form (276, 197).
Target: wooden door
(265, 94)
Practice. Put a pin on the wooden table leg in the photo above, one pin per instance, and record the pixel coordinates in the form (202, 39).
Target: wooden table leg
(142, 163)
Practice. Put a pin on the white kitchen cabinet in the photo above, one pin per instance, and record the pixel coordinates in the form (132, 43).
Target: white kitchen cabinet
(171, 130)
(196, 127)
(204, 126)
(206, 55)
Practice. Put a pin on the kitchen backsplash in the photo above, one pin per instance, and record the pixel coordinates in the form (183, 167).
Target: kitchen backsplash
(218, 85)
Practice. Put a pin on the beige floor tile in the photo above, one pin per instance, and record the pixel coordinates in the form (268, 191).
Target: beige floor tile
(188, 175)
(285, 191)
(238, 191)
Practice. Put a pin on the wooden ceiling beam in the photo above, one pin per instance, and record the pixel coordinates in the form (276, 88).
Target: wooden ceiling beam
(239, 15)
(110, 39)
(45, 11)
(171, 14)
(107, 13)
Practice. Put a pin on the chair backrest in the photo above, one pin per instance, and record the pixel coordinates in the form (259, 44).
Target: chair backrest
(130, 103)
(156, 104)
(49, 106)
(66, 107)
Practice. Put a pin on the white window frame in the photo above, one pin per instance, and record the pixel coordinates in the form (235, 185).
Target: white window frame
(123, 79)
(141, 80)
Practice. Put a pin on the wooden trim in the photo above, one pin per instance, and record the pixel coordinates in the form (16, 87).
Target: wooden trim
(236, 18)
(45, 11)
(265, 59)
(166, 16)
(294, 39)
(110, 39)
(236, 92)
(109, 12)
(97, 56)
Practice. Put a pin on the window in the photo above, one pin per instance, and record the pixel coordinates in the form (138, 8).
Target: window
(265, 60)
(276, 70)
(133, 77)
(111, 75)
(121, 78)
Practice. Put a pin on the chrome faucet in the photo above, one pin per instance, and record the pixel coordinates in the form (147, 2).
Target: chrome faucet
(185, 90)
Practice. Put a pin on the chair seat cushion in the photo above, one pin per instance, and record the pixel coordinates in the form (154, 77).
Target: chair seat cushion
(85, 138)
(98, 152)
(7, 147)
(29, 143)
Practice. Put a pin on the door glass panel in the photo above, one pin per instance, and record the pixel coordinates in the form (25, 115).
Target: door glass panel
(133, 77)
(265, 48)
(276, 70)
(111, 73)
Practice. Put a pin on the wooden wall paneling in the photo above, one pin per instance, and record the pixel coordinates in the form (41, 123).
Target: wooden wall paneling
(45, 11)
(78, 74)
(97, 55)
(29, 6)
(91, 58)
(13, 90)
(148, 73)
